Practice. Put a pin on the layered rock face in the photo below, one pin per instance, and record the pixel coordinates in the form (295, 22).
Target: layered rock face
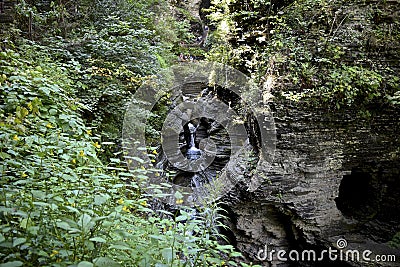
(335, 176)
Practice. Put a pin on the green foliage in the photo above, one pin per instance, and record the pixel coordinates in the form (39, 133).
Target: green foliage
(40, 19)
(352, 84)
(60, 204)
(66, 195)
(310, 49)
(67, 198)
(117, 45)
(395, 242)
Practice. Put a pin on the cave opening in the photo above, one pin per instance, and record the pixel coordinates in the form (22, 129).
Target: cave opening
(358, 195)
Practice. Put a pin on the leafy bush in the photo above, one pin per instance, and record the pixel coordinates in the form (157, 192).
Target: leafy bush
(311, 50)
(60, 204)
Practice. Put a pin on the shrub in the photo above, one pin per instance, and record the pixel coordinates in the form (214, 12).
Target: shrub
(60, 204)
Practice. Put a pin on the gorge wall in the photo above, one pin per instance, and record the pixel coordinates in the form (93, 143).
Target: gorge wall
(334, 176)
(336, 172)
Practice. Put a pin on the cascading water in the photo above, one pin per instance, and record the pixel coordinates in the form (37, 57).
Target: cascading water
(193, 152)
(203, 137)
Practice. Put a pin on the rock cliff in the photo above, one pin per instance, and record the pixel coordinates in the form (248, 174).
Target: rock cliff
(334, 176)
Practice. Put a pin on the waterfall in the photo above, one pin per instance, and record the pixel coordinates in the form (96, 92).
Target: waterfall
(192, 130)
(193, 152)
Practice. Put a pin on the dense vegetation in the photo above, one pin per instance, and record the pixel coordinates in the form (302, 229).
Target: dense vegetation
(67, 69)
(66, 196)
(335, 54)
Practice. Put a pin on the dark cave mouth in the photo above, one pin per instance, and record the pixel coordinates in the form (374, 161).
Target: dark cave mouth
(358, 195)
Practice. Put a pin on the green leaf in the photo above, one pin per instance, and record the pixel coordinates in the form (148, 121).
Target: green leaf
(137, 159)
(72, 209)
(101, 199)
(45, 90)
(63, 225)
(33, 230)
(167, 254)
(158, 237)
(98, 239)
(69, 178)
(18, 241)
(127, 174)
(64, 117)
(12, 264)
(105, 262)
(115, 160)
(181, 218)
(25, 223)
(85, 264)
(85, 222)
(4, 155)
(178, 195)
(38, 194)
(121, 247)
(39, 203)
